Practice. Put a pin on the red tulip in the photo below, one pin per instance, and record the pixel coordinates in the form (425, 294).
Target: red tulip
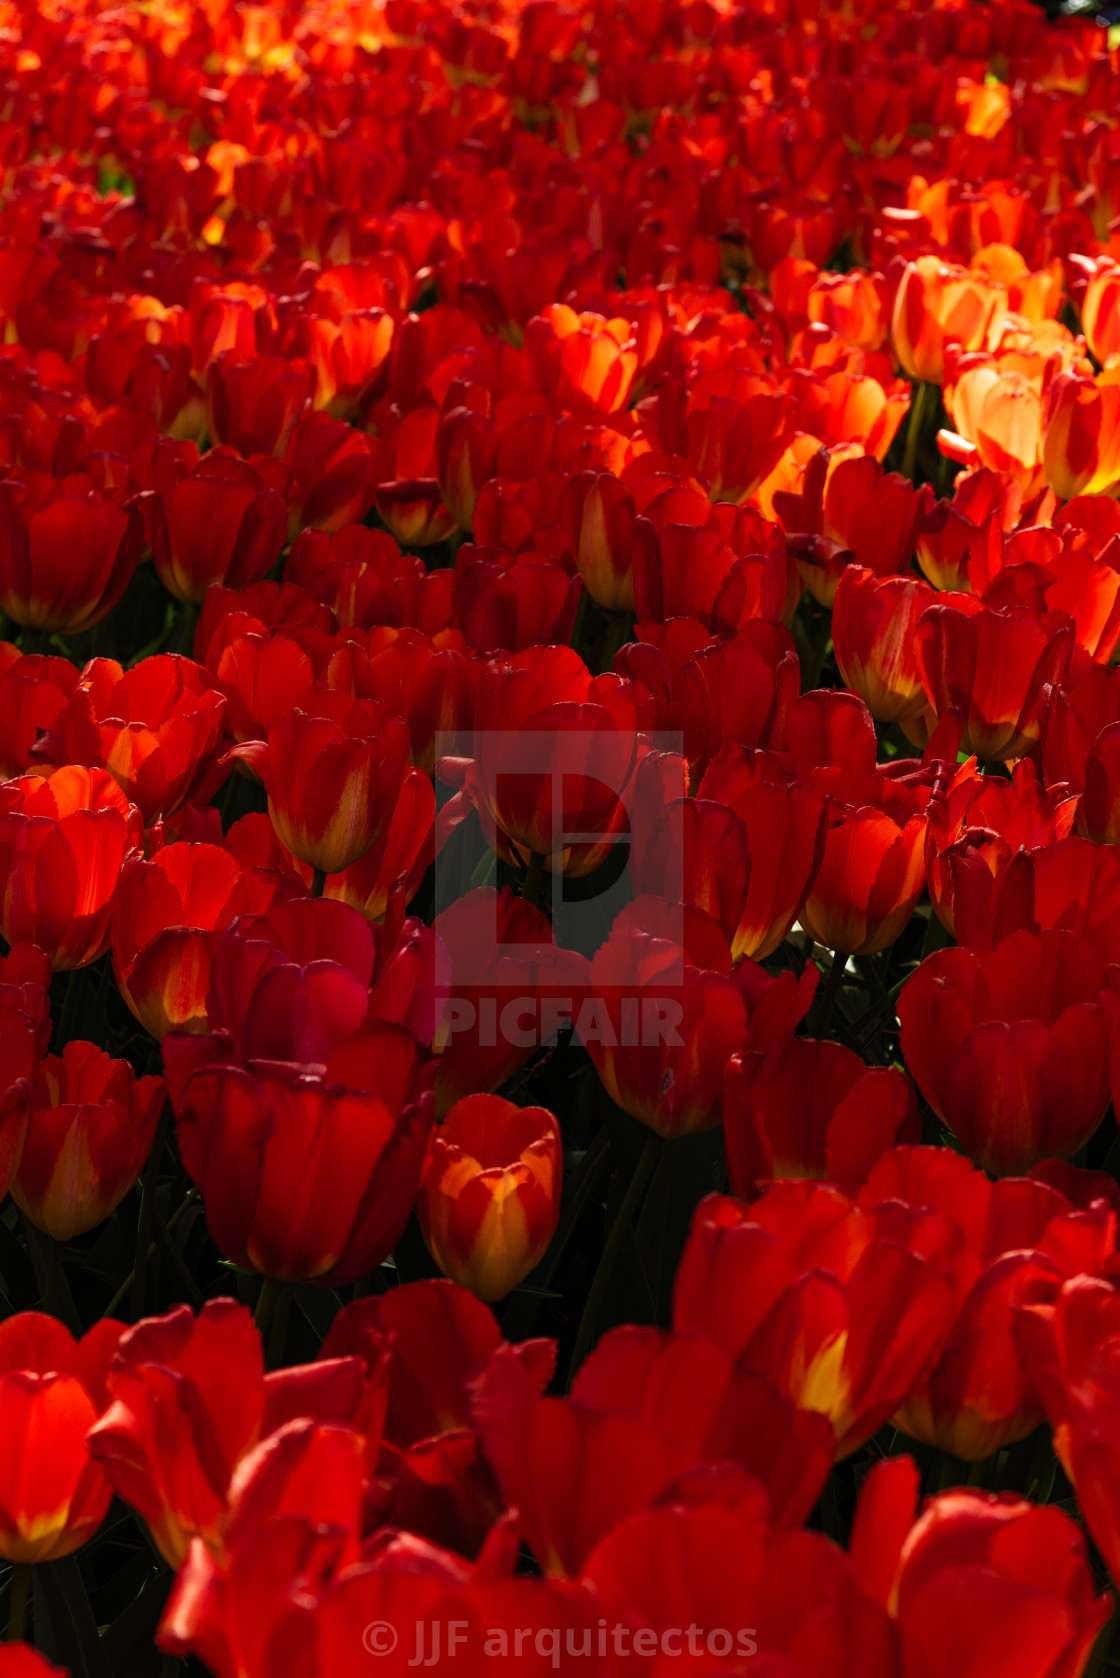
(873, 624)
(223, 523)
(1011, 1049)
(489, 1198)
(156, 728)
(647, 1409)
(34, 688)
(253, 406)
(429, 680)
(53, 1495)
(167, 916)
(598, 511)
(1022, 1238)
(991, 666)
(850, 512)
(587, 362)
(332, 767)
(91, 1130)
(842, 1309)
(507, 603)
(188, 1398)
(510, 988)
(977, 1584)
(872, 868)
(936, 305)
(68, 552)
(308, 1172)
(555, 752)
(743, 851)
(666, 1010)
(399, 859)
(62, 843)
(1073, 718)
(811, 1109)
(1081, 433)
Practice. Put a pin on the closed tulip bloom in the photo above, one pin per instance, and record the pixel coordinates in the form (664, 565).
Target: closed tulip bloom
(53, 1495)
(810, 1109)
(167, 918)
(399, 859)
(332, 767)
(62, 843)
(91, 1131)
(666, 1010)
(309, 1173)
(430, 680)
(253, 406)
(1073, 716)
(156, 728)
(34, 688)
(598, 511)
(69, 552)
(938, 304)
(489, 1198)
(1011, 1049)
(221, 524)
(872, 869)
(1081, 434)
(991, 666)
(555, 751)
(873, 624)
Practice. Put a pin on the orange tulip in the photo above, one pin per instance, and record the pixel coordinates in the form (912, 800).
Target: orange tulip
(489, 1199)
(938, 304)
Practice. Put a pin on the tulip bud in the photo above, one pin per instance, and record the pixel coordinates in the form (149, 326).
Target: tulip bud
(91, 1130)
(489, 1199)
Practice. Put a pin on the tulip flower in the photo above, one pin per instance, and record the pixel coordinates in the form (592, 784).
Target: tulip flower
(34, 688)
(744, 850)
(399, 859)
(598, 511)
(167, 918)
(308, 1172)
(53, 1494)
(429, 680)
(977, 1584)
(555, 752)
(986, 822)
(222, 523)
(489, 1198)
(332, 768)
(91, 1130)
(872, 867)
(508, 603)
(842, 1309)
(187, 1399)
(156, 728)
(850, 512)
(1022, 1239)
(1011, 1049)
(69, 552)
(811, 1109)
(646, 1408)
(666, 1010)
(587, 362)
(466, 445)
(873, 624)
(253, 406)
(1073, 716)
(1081, 434)
(19, 1660)
(510, 988)
(938, 304)
(62, 843)
(991, 666)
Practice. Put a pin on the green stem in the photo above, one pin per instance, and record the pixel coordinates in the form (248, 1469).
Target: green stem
(618, 633)
(119, 1297)
(826, 999)
(184, 632)
(581, 619)
(318, 881)
(613, 1246)
(531, 883)
(75, 984)
(279, 1332)
(267, 1301)
(147, 1208)
(920, 402)
(17, 1602)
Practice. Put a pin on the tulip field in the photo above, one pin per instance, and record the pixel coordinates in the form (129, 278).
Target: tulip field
(559, 839)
